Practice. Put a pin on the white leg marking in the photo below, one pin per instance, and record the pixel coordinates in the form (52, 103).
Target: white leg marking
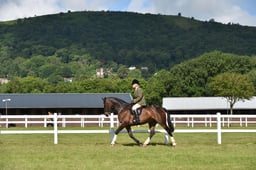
(146, 141)
(166, 121)
(173, 141)
(114, 139)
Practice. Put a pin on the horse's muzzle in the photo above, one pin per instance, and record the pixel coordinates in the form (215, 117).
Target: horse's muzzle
(107, 113)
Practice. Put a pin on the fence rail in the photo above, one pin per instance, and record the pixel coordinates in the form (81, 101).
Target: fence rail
(210, 120)
(102, 120)
(63, 120)
(187, 120)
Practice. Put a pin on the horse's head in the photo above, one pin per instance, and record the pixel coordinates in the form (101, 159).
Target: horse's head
(113, 105)
(108, 106)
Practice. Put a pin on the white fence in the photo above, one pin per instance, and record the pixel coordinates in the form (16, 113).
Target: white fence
(63, 120)
(210, 120)
(102, 120)
(187, 120)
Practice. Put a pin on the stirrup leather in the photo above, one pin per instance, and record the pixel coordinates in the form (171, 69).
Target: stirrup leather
(136, 115)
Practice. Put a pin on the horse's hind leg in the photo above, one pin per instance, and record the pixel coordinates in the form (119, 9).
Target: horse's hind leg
(168, 126)
(173, 141)
(168, 130)
(129, 130)
(151, 133)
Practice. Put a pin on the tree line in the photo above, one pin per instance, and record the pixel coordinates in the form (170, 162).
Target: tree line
(210, 74)
(80, 42)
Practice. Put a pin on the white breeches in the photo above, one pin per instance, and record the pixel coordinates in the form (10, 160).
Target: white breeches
(136, 106)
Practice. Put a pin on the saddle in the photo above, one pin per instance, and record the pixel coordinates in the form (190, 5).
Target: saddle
(136, 113)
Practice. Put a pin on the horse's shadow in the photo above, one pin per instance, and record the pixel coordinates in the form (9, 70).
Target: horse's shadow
(141, 145)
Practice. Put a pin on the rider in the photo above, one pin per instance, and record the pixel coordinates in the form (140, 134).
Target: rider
(138, 100)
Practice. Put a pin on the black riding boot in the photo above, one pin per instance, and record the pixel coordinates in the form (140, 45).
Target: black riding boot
(136, 119)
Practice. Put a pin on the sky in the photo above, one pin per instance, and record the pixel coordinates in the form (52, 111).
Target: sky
(241, 12)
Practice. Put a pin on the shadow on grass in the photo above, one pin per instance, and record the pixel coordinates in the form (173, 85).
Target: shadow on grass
(150, 144)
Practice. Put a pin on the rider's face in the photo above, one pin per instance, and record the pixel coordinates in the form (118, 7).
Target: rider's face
(134, 85)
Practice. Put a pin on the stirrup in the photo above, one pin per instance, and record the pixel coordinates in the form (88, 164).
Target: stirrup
(136, 121)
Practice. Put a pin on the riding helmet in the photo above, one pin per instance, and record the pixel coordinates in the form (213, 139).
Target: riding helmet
(135, 81)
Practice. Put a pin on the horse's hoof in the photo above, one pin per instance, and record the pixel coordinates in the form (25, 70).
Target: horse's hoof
(174, 144)
(144, 145)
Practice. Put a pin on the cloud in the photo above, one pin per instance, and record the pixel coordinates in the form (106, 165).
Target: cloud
(14, 9)
(19, 9)
(141, 6)
(221, 11)
(81, 5)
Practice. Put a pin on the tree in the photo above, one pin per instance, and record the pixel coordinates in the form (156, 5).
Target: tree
(252, 76)
(26, 85)
(157, 87)
(122, 72)
(136, 73)
(191, 76)
(232, 86)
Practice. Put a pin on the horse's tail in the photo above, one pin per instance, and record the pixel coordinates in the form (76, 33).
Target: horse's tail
(164, 112)
(168, 120)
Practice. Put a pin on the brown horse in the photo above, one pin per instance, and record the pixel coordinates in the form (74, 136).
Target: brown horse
(150, 114)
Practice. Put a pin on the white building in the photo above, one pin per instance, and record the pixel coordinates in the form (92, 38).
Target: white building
(207, 105)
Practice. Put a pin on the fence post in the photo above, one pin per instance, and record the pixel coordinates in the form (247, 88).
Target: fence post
(210, 121)
(111, 130)
(45, 124)
(26, 121)
(6, 123)
(63, 122)
(218, 128)
(55, 123)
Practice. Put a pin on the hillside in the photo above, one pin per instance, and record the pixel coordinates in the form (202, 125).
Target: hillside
(123, 38)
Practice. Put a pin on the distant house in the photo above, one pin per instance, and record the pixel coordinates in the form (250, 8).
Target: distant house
(132, 68)
(207, 105)
(63, 103)
(144, 68)
(3, 80)
(100, 72)
(68, 80)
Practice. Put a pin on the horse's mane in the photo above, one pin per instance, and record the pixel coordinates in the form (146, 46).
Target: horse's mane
(118, 100)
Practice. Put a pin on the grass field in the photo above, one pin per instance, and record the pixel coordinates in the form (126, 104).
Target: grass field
(93, 151)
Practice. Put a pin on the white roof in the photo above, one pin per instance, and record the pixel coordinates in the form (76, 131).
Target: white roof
(205, 103)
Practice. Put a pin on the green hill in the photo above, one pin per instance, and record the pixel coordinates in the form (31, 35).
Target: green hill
(121, 38)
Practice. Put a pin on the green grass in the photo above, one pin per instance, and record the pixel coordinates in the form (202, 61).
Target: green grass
(93, 151)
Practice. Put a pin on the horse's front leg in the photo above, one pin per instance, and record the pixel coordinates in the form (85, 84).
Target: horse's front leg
(113, 140)
(129, 131)
(151, 134)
